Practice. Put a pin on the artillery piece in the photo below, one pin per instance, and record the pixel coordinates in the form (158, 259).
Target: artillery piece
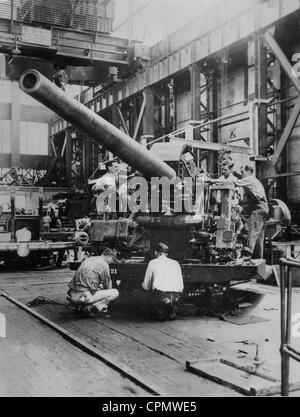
(202, 239)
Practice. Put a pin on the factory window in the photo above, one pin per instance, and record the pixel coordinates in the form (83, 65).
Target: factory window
(5, 134)
(34, 138)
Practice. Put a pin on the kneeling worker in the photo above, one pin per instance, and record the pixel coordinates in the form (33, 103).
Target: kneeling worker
(162, 287)
(91, 286)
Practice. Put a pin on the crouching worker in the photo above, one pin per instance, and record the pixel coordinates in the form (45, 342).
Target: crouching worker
(162, 287)
(91, 287)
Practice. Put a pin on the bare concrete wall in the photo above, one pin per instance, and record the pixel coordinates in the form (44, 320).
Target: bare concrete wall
(234, 100)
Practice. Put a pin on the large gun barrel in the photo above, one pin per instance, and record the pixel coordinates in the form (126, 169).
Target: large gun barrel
(113, 139)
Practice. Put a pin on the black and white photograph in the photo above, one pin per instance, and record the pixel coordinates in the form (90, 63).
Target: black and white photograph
(149, 201)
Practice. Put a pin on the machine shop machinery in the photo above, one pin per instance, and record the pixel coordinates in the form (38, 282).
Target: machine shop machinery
(203, 239)
(22, 206)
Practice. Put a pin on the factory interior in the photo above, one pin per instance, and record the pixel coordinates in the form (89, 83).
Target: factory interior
(149, 198)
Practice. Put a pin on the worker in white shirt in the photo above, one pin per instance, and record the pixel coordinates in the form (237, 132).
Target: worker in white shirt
(228, 177)
(46, 222)
(162, 287)
(23, 234)
(107, 182)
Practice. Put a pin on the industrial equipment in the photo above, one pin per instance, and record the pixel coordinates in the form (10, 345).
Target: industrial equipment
(202, 236)
(23, 207)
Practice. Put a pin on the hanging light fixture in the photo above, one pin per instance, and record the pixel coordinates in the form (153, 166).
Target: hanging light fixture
(16, 50)
(224, 58)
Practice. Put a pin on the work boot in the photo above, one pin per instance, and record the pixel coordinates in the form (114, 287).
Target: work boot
(160, 315)
(94, 312)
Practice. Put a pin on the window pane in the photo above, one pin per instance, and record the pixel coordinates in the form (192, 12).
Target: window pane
(44, 139)
(23, 137)
(5, 88)
(5, 133)
(34, 138)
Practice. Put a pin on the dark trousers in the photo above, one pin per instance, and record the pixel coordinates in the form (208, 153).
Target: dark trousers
(256, 223)
(154, 304)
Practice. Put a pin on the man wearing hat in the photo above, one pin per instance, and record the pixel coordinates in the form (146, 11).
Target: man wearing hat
(91, 287)
(255, 211)
(162, 287)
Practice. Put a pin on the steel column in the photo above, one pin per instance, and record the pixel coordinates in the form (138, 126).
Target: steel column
(41, 200)
(261, 94)
(88, 161)
(148, 119)
(140, 117)
(15, 125)
(280, 55)
(286, 133)
(195, 75)
(122, 120)
(68, 158)
(287, 67)
(13, 212)
(286, 350)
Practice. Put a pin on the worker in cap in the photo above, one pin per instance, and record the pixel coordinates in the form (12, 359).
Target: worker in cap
(91, 287)
(255, 211)
(227, 170)
(161, 288)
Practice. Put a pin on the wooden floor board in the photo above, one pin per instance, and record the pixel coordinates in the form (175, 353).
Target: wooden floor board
(36, 361)
(163, 371)
(158, 350)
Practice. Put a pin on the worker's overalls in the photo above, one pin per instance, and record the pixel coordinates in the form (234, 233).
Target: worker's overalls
(255, 214)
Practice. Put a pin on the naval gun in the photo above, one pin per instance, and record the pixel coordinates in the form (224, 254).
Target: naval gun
(203, 239)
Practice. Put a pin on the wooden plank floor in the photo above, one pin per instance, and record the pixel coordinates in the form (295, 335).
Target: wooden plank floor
(148, 348)
(36, 361)
(156, 350)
